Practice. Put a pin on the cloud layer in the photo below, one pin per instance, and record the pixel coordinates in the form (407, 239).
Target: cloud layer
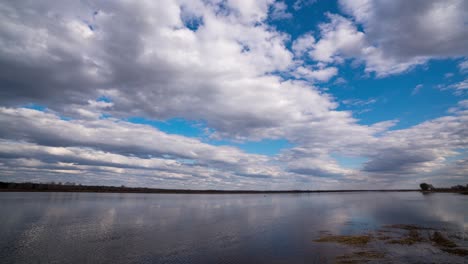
(95, 65)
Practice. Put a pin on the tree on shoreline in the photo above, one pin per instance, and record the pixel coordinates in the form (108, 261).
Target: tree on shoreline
(426, 187)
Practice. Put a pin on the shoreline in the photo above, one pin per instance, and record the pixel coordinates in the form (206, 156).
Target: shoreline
(177, 191)
(44, 187)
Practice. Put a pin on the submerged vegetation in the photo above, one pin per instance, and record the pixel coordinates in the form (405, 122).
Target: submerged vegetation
(407, 227)
(442, 241)
(348, 240)
(456, 251)
(447, 245)
(359, 257)
(412, 237)
(387, 243)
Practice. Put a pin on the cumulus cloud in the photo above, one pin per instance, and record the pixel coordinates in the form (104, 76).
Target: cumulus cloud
(463, 66)
(303, 44)
(395, 35)
(413, 29)
(458, 88)
(421, 148)
(38, 140)
(50, 147)
(111, 135)
(313, 75)
(299, 4)
(279, 10)
(161, 68)
(113, 139)
(341, 40)
(158, 67)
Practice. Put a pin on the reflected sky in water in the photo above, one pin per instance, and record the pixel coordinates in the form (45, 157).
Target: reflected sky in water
(177, 228)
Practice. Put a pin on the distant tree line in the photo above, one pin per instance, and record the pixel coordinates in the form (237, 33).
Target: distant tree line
(456, 188)
(73, 187)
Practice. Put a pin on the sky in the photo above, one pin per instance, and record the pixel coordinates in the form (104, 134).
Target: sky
(235, 94)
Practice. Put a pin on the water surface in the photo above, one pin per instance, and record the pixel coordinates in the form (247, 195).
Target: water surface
(207, 228)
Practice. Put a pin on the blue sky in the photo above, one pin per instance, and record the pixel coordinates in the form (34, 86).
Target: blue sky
(263, 94)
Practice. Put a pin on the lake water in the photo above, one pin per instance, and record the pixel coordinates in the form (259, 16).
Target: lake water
(212, 228)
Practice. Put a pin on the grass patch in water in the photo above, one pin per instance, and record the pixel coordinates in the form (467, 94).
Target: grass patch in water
(348, 240)
(412, 238)
(456, 251)
(407, 227)
(360, 257)
(384, 234)
(448, 246)
(442, 241)
(383, 237)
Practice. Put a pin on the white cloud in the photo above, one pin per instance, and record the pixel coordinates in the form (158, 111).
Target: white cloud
(299, 4)
(338, 38)
(359, 102)
(45, 147)
(303, 44)
(112, 135)
(422, 148)
(459, 88)
(279, 10)
(463, 66)
(395, 36)
(463, 85)
(413, 29)
(164, 69)
(43, 141)
(416, 89)
(315, 74)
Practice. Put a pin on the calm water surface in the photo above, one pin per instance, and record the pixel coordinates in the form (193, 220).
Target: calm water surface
(184, 228)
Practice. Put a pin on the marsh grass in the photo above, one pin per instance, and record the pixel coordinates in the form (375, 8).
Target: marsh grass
(456, 251)
(442, 241)
(408, 227)
(347, 240)
(360, 257)
(447, 245)
(412, 237)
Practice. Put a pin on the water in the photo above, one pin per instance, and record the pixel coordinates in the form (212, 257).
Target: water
(213, 228)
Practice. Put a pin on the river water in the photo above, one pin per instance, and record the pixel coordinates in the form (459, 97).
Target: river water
(213, 228)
